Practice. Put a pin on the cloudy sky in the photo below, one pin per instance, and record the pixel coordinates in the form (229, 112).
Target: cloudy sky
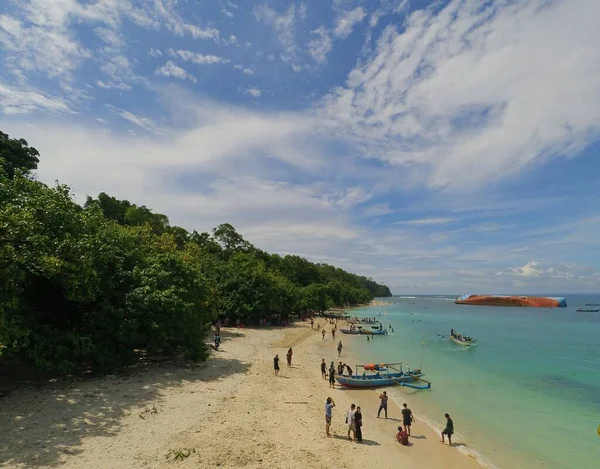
(437, 146)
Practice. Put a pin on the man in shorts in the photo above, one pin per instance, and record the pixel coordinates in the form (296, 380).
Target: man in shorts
(384, 402)
(329, 405)
(449, 430)
(407, 417)
(276, 364)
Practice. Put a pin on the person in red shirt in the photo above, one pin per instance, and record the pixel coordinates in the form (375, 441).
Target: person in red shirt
(402, 437)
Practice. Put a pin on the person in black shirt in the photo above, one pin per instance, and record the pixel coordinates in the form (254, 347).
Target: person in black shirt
(276, 364)
(323, 369)
(407, 417)
(449, 430)
(358, 423)
(332, 376)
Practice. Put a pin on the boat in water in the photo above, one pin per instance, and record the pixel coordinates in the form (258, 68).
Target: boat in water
(502, 300)
(385, 374)
(588, 310)
(360, 331)
(461, 339)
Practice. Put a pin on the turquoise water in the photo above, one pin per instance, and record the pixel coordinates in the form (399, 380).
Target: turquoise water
(527, 396)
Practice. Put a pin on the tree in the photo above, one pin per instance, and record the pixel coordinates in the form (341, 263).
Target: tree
(16, 154)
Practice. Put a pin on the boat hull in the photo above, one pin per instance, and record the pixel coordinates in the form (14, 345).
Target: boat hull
(374, 381)
(363, 332)
(499, 300)
(463, 344)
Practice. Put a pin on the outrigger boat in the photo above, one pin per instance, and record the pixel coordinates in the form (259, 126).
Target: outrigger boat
(588, 310)
(360, 331)
(461, 339)
(380, 375)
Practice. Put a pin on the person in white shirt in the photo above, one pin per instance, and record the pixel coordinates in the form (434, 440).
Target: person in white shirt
(350, 420)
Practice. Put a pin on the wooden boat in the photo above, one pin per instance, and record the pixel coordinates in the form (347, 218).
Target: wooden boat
(592, 304)
(588, 310)
(380, 375)
(464, 341)
(360, 331)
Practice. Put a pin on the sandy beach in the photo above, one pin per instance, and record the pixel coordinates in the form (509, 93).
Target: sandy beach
(231, 411)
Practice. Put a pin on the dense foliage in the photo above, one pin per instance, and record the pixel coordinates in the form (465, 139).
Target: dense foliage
(97, 285)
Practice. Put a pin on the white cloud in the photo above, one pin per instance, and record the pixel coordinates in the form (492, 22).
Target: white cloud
(197, 58)
(171, 70)
(377, 210)
(345, 23)
(255, 92)
(154, 53)
(426, 221)
(528, 270)
(284, 25)
(244, 70)
(141, 121)
(320, 45)
(466, 94)
(227, 13)
(17, 101)
(113, 85)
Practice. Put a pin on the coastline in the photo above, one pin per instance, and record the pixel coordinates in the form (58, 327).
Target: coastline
(231, 411)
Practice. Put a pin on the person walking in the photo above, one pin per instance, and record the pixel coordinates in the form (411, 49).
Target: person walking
(312, 323)
(339, 348)
(333, 333)
(351, 421)
(324, 369)
(329, 405)
(289, 357)
(323, 333)
(407, 417)
(383, 397)
(358, 423)
(332, 376)
(449, 430)
(276, 364)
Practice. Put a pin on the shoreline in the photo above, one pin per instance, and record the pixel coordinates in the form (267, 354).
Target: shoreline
(231, 411)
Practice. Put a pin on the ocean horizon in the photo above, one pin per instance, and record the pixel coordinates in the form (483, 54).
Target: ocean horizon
(527, 396)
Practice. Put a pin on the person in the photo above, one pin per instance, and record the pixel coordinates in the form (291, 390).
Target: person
(329, 405)
(383, 397)
(289, 357)
(368, 339)
(276, 364)
(332, 376)
(323, 369)
(217, 341)
(333, 333)
(349, 369)
(402, 437)
(358, 424)
(351, 421)
(323, 333)
(312, 323)
(407, 417)
(339, 348)
(449, 430)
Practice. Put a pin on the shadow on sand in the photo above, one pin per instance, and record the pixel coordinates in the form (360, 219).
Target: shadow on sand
(40, 422)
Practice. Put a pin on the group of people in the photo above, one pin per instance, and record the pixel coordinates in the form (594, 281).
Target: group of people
(288, 358)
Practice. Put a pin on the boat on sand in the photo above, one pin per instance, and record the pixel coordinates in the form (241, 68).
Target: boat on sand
(385, 374)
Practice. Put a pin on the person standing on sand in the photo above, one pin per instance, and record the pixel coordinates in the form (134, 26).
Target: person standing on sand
(351, 421)
(449, 430)
(332, 376)
(407, 417)
(289, 357)
(323, 369)
(323, 333)
(276, 364)
(339, 348)
(329, 405)
(333, 333)
(312, 323)
(358, 423)
(383, 397)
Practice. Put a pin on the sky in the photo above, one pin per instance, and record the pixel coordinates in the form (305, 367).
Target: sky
(438, 147)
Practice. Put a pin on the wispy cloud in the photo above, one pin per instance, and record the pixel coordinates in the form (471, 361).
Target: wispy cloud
(345, 23)
(284, 25)
(320, 45)
(141, 121)
(196, 57)
(254, 92)
(171, 70)
(426, 221)
(16, 101)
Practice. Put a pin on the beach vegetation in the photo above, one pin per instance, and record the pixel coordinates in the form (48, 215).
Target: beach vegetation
(96, 286)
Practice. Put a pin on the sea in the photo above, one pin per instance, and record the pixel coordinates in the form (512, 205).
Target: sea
(526, 396)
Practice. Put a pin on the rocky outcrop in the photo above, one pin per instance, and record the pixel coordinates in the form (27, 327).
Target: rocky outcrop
(500, 300)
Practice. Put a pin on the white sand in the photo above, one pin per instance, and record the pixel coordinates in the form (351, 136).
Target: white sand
(229, 412)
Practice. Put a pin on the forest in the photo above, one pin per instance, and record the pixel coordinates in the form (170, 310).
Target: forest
(94, 286)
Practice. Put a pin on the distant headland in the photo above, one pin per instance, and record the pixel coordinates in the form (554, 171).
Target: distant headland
(517, 300)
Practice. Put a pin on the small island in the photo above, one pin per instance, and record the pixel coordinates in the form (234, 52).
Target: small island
(517, 300)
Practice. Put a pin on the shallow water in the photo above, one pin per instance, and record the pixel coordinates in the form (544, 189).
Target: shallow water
(526, 396)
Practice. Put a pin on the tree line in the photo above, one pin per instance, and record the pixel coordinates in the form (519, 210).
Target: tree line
(97, 285)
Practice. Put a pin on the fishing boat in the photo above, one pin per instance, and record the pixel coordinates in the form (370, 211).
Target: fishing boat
(360, 331)
(461, 339)
(385, 374)
(588, 310)
(592, 304)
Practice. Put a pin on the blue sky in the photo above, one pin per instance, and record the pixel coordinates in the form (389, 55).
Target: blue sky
(447, 146)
